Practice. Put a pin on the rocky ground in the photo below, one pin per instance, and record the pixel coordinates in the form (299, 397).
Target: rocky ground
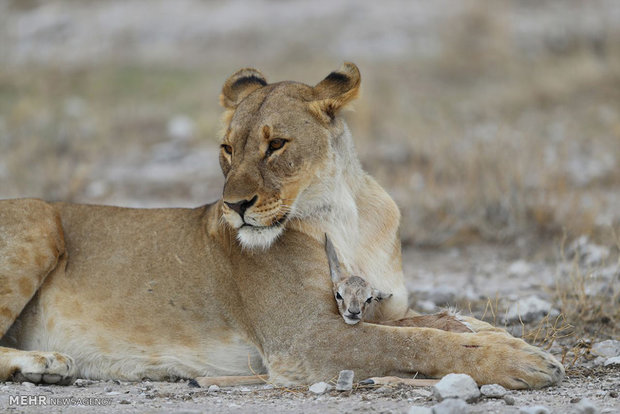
(472, 274)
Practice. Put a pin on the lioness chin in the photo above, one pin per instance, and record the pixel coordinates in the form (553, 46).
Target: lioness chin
(115, 293)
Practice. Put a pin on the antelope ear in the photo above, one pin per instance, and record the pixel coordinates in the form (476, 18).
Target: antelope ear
(239, 85)
(336, 90)
(332, 259)
(379, 296)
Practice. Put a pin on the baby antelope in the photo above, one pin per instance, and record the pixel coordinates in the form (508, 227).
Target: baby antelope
(355, 297)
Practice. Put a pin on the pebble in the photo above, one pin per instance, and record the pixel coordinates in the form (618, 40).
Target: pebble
(124, 402)
(420, 410)
(608, 349)
(81, 382)
(456, 386)
(509, 400)
(345, 380)
(319, 387)
(529, 309)
(450, 406)
(586, 406)
(213, 388)
(107, 389)
(493, 391)
(27, 384)
(535, 409)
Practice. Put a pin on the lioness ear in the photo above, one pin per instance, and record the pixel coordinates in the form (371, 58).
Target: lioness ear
(379, 296)
(239, 85)
(336, 90)
(332, 259)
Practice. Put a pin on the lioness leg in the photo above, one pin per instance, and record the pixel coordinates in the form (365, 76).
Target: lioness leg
(31, 245)
(446, 321)
(375, 350)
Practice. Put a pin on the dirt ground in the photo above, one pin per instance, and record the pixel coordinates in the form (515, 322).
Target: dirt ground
(485, 267)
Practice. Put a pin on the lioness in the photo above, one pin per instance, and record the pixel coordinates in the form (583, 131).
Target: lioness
(118, 293)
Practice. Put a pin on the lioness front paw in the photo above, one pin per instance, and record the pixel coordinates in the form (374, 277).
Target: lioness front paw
(44, 367)
(517, 365)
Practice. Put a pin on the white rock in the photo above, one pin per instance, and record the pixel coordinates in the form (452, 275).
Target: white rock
(180, 127)
(27, 384)
(456, 386)
(586, 406)
(520, 268)
(450, 406)
(443, 295)
(612, 361)
(609, 348)
(420, 410)
(493, 391)
(529, 309)
(213, 388)
(426, 306)
(345, 380)
(319, 387)
(589, 254)
(535, 409)
(81, 382)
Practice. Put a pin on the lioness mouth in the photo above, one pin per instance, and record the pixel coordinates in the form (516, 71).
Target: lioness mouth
(278, 222)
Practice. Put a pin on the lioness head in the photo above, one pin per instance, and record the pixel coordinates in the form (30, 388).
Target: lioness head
(279, 149)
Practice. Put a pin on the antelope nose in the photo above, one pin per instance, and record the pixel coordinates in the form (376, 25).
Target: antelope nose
(354, 313)
(241, 206)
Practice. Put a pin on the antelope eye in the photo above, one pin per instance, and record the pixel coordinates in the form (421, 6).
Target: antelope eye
(338, 296)
(369, 300)
(227, 149)
(276, 144)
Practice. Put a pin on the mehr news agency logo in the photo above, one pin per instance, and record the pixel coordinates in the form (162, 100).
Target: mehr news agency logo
(41, 400)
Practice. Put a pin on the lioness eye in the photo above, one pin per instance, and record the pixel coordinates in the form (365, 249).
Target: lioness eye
(276, 144)
(227, 149)
(338, 296)
(369, 300)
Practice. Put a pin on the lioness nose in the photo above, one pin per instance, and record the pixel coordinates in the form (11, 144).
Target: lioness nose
(241, 206)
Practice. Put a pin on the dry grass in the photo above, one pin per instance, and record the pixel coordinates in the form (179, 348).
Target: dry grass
(487, 140)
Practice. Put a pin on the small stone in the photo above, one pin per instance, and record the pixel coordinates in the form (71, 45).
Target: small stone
(27, 384)
(520, 268)
(193, 383)
(535, 409)
(456, 386)
(420, 410)
(612, 361)
(586, 406)
(107, 389)
(509, 400)
(493, 391)
(213, 388)
(450, 406)
(609, 348)
(384, 390)
(345, 380)
(81, 382)
(613, 394)
(319, 387)
(529, 309)
(124, 402)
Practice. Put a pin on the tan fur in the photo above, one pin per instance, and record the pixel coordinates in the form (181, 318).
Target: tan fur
(355, 297)
(168, 293)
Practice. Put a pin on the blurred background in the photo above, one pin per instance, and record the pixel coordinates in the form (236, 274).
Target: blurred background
(486, 121)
